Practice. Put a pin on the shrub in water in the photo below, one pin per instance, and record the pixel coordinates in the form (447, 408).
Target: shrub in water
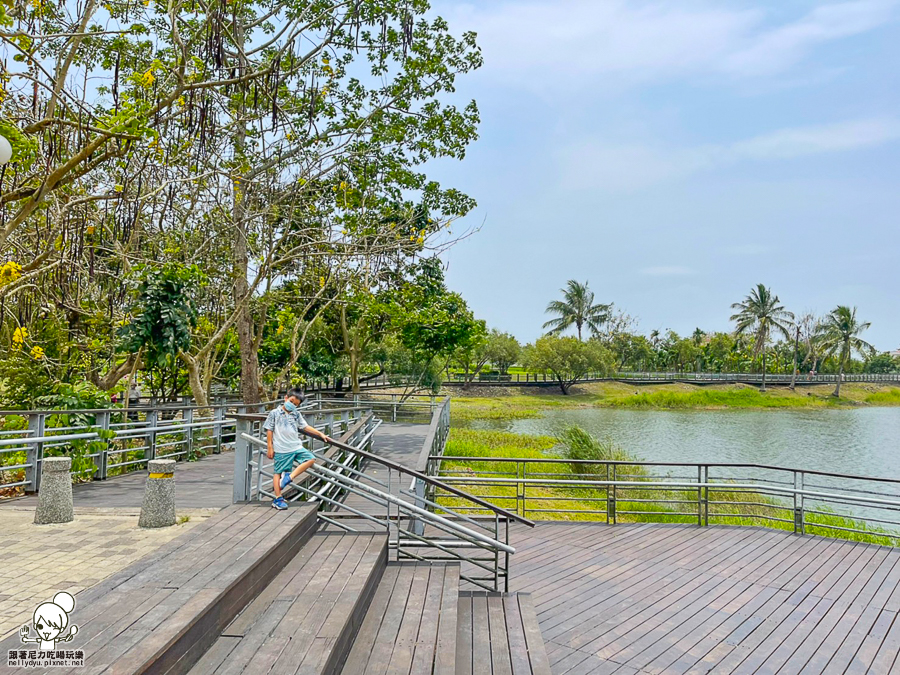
(577, 444)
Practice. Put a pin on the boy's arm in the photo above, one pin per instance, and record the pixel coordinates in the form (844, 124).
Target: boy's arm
(312, 431)
(270, 449)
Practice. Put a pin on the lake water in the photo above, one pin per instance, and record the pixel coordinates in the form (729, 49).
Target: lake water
(858, 441)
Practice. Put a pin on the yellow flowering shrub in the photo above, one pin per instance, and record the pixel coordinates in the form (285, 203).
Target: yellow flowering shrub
(9, 272)
(37, 352)
(19, 336)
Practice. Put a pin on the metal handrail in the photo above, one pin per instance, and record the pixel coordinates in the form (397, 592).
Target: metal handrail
(623, 462)
(434, 482)
(330, 484)
(845, 504)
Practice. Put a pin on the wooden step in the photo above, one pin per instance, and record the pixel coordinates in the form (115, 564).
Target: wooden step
(160, 614)
(307, 617)
(498, 633)
(410, 627)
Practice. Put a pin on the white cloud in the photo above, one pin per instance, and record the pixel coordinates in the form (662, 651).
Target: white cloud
(667, 271)
(549, 44)
(776, 49)
(615, 167)
(801, 141)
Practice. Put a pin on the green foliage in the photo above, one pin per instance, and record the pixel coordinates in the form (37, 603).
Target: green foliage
(577, 444)
(882, 363)
(761, 315)
(839, 337)
(502, 350)
(568, 358)
(77, 396)
(714, 398)
(23, 381)
(891, 397)
(164, 313)
(577, 308)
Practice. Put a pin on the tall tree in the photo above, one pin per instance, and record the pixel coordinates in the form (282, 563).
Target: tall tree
(759, 315)
(839, 336)
(577, 308)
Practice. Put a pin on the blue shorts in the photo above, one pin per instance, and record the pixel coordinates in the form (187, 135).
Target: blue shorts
(284, 461)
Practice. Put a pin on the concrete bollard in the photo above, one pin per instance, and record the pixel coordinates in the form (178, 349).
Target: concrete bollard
(158, 509)
(55, 495)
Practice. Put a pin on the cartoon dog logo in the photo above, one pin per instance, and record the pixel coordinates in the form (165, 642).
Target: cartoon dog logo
(50, 620)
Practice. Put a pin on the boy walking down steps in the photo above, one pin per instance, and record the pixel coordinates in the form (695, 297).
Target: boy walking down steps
(283, 427)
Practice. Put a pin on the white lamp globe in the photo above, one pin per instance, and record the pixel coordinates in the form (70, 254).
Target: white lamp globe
(5, 151)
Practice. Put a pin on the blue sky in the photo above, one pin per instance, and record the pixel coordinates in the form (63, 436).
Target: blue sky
(676, 153)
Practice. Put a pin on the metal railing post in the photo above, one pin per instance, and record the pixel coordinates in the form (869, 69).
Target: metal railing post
(34, 452)
(496, 552)
(611, 498)
(187, 418)
(706, 496)
(418, 526)
(103, 459)
(152, 420)
(799, 524)
(218, 417)
(506, 570)
(243, 453)
(393, 407)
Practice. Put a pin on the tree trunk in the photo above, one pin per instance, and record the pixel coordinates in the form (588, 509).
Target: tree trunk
(563, 385)
(198, 390)
(764, 369)
(114, 375)
(354, 369)
(796, 349)
(837, 388)
(250, 384)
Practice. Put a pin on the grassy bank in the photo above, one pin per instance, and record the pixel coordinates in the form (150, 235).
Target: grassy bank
(633, 505)
(519, 402)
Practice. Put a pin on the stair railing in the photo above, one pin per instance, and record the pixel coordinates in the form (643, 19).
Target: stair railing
(358, 489)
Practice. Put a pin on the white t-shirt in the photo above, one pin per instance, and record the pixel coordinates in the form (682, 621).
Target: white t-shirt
(285, 428)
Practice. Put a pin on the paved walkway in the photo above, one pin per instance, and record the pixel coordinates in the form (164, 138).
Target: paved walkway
(206, 483)
(42, 560)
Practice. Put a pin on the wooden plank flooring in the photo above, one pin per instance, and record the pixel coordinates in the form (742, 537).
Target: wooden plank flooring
(498, 634)
(646, 598)
(410, 627)
(162, 612)
(306, 618)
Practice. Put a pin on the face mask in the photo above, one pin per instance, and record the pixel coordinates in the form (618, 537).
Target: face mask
(289, 406)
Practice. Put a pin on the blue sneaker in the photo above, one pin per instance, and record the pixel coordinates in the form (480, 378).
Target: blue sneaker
(279, 504)
(285, 479)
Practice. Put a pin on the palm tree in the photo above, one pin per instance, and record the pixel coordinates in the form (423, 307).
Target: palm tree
(576, 309)
(839, 335)
(760, 314)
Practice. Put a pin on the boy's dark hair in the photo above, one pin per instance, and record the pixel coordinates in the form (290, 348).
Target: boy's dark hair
(295, 391)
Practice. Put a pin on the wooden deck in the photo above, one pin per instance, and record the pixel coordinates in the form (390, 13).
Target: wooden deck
(166, 609)
(498, 634)
(631, 599)
(307, 617)
(410, 626)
